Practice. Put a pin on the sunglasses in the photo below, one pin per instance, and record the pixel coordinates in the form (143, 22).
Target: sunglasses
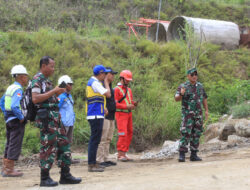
(194, 74)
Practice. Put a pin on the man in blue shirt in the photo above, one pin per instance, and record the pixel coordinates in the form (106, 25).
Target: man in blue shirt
(66, 108)
(96, 108)
(15, 121)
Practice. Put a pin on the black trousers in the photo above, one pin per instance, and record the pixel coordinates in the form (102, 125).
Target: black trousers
(14, 135)
(95, 138)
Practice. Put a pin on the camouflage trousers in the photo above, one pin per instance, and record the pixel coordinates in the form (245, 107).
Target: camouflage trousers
(53, 143)
(191, 130)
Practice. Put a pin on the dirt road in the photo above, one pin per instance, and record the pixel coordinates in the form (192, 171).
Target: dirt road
(225, 170)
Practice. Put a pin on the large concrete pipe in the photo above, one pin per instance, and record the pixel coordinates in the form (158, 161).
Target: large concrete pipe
(226, 34)
(162, 33)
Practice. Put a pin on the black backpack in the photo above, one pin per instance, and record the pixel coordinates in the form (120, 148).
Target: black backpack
(28, 107)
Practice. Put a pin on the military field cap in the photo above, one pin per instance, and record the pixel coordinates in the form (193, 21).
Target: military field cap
(191, 71)
(111, 70)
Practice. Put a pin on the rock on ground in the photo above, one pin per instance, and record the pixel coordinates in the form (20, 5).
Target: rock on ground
(243, 128)
(212, 131)
(169, 148)
(226, 130)
(234, 140)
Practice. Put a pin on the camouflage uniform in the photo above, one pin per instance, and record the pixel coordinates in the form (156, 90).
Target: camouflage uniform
(192, 118)
(53, 140)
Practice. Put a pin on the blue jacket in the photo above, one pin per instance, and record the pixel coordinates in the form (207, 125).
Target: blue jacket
(66, 109)
(16, 112)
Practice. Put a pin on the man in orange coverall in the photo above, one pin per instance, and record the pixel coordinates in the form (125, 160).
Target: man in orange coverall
(124, 106)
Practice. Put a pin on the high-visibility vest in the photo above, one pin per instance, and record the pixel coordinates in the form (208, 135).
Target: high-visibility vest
(128, 101)
(96, 103)
(8, 96)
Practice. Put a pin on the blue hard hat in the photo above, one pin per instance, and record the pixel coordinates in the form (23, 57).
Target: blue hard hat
(100, 69)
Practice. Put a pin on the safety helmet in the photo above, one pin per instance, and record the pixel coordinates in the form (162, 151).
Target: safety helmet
(126, 74)
(18, 69)
(66, 79)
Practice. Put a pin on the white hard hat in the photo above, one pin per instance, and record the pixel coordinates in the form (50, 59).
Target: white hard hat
(66, 79)
(18, 69)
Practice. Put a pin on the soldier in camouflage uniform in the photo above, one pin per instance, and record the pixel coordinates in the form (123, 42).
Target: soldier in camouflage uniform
(192, 95)
(54, 143)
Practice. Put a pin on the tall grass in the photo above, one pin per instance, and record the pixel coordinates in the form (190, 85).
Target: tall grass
(227, 2)
(81, 15)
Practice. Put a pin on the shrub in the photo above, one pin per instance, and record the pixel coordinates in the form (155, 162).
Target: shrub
(223, 95)
(31, 140)
(81, 128)
(241, 110)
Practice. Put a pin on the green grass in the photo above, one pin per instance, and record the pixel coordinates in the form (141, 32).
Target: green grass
(228, 2)
(111, 16)
(241, 111)
(80, 157)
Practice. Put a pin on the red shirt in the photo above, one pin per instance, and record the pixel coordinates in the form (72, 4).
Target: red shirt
(119, 95)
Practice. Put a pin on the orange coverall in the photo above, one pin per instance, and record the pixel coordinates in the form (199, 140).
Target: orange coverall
(123, 117)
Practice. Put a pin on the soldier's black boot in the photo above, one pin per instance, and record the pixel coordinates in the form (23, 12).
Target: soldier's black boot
(67, 178)
(194, 156)
(182, 157)
(46, 181)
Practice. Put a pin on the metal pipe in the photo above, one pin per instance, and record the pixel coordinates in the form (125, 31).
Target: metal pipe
(224, 33)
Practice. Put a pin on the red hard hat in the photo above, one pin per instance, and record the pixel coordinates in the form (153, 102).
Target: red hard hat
(126, 74)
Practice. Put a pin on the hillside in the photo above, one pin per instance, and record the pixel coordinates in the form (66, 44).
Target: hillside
(112, 14)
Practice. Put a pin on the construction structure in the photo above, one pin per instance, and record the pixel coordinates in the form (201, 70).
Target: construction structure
(224, 33)
(147, 24)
